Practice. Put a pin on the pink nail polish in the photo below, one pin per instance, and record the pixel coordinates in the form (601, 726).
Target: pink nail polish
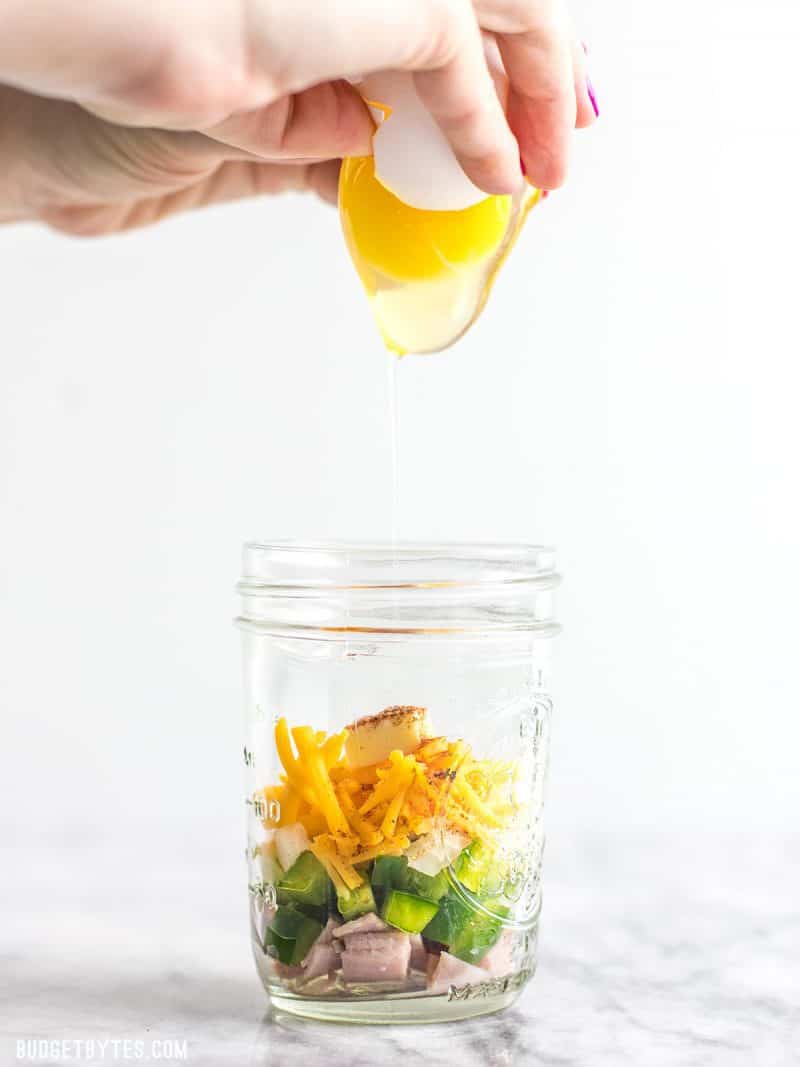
(592, 97)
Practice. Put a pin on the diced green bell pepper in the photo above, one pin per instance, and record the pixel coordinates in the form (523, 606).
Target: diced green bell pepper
(432, 887)
(393, 872)
(306, 883)
(389, 871)
(467, 932)
(291, 934)
(356, 902)
(477, 869)
(407, 912)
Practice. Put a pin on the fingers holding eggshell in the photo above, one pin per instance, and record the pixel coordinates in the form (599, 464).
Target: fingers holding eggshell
(459, 92)
(494, 61)
(323, 179)
(325, 121)
(535, 42)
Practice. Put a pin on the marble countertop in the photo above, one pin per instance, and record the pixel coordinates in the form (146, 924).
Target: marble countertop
(671, 950)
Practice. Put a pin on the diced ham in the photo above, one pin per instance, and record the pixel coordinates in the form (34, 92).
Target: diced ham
(376, 957)
(323, 956)
(284, 970)
(326, 937)
(419, 957)
(499, 960)
(373, 942)
(451, 971)
(368, 923)
(321, 959)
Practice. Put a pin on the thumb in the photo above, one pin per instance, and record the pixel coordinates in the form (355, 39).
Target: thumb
(327, 121)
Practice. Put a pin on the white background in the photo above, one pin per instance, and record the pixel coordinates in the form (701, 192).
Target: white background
(631, 395)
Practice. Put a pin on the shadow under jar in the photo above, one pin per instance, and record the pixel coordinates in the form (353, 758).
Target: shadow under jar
(398, 721)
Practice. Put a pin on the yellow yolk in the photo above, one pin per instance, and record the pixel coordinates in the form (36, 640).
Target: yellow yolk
(405, 244)
(427, 273)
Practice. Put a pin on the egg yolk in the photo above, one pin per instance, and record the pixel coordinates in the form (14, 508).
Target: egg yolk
(405, 244)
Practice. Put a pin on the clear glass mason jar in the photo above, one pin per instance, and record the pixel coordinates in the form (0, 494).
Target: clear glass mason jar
(398, 720)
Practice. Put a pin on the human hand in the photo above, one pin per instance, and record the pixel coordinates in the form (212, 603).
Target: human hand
(147, 107)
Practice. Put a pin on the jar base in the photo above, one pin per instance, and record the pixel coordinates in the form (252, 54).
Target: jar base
(398, 1010)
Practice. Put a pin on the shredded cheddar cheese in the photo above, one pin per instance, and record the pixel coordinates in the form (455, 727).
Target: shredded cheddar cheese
(352, 815)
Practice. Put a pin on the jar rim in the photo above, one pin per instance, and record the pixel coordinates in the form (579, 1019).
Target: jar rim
(450, 590)
(353, 566)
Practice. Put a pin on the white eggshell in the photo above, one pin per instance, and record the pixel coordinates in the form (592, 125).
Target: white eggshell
(413, 159)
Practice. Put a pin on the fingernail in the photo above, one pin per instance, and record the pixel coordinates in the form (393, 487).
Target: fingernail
(592, 97)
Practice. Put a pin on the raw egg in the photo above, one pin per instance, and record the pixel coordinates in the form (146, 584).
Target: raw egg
(427, 273)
